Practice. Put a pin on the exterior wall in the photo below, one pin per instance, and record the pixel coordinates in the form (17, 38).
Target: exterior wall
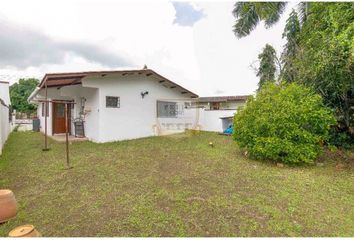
(87, 98)
(210, 119)
(42, 119)
(5, 127)
(137, 116)
(75, 92)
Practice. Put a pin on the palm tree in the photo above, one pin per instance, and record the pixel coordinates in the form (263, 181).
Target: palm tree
(249, 14)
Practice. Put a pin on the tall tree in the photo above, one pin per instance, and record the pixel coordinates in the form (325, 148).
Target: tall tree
(325, 60)
(291, 32)
(19, 92)
(249, 14)
(267, 66)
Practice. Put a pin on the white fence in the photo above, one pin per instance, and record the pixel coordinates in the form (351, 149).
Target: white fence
(175, 116)
(5, 128)
(211, 120)
(23, 124)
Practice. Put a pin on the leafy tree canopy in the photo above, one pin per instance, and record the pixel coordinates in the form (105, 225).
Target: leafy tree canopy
(318, 53)
(285, 122)
(19, 92)
(324, 60)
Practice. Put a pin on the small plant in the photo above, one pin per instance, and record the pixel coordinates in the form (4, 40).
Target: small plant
(16, 128)
(286, 123)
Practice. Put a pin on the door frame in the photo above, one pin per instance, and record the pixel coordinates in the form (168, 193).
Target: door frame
(53, 116)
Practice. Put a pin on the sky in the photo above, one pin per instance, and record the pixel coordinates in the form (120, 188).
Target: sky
(191, 43)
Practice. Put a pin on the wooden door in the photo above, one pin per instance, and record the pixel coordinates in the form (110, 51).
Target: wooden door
(59, 118)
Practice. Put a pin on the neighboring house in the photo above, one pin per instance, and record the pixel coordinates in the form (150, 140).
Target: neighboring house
(5, 126)
(115, 105)
(218, 112)
(222, 102)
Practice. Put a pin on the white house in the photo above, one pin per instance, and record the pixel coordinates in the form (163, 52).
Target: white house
(115, 105)
(5, 127)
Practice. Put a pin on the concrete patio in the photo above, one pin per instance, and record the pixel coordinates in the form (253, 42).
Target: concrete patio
(61, 138)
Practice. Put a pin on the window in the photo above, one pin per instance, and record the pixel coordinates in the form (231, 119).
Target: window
(215, 106)
(43, 110)
(112, 102)
(167, 109)
(60, 110)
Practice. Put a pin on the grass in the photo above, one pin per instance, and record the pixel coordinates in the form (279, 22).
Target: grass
(171, 186)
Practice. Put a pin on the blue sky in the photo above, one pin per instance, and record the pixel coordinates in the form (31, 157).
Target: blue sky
(187, 14)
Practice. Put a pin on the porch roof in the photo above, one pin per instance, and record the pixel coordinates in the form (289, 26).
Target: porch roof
(73, 78)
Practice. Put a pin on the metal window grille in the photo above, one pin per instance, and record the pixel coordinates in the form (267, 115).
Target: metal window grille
(112, 102)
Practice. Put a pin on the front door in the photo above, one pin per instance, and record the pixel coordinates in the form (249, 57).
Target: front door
(59, 118)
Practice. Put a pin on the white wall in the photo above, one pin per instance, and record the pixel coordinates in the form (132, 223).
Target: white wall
(42, 118)
(5, 127)
(137, 116)
(210, 119)
(76, 93)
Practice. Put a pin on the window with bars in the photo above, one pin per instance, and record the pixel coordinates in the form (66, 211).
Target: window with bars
(167, 109)
(112, 102)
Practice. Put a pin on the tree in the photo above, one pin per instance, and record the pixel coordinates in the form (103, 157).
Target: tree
(291, 32)
(267, 66)
(19, 92)
(249, 14)
(325, 59)
(284, 122)
(318, 53)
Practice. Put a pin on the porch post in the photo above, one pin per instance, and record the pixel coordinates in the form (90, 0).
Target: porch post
(45, 118)
(67, 136)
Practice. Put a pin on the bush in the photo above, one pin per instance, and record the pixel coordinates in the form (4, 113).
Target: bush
(286, 123)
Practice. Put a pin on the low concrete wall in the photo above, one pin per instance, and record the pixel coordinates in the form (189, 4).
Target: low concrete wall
(23, 124)
(210, 120)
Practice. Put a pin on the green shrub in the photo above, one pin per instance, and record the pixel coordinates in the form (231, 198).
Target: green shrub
(286, 123)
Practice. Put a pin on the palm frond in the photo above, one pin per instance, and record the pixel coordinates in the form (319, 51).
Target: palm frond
(247, 18)
(249, 14)
(302, 9)
(273, 12)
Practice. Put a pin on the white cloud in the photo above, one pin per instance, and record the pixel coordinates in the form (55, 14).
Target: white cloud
(206, 58)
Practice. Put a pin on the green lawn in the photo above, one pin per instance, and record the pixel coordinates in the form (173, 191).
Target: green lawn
(171, 186)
